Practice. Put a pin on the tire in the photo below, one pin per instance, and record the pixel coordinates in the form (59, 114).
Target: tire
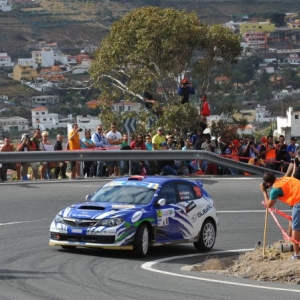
(141, 241)
(69, 247)
(207, 236)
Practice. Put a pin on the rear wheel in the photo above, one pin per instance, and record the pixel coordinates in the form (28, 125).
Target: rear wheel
(207, 236)
(141, 241)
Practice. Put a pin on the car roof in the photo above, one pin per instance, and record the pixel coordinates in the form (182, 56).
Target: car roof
(152, 179)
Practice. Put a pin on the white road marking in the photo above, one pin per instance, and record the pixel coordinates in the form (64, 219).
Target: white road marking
(247, 211)
(148, 266)
(22, 222)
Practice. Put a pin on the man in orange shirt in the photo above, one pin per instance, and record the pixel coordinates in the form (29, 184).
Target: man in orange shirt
(268, 152)
(74, 144)
(287, 190)
(8, 147)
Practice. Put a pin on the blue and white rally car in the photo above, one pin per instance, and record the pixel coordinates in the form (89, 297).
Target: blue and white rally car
(137, 212)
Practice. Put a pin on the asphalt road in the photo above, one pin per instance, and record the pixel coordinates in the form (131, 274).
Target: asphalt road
(30, 269)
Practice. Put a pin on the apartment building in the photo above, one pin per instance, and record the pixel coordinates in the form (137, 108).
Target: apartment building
(257, 27)
(26, 73)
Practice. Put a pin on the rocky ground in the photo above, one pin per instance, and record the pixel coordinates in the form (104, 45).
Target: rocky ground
(274, 266)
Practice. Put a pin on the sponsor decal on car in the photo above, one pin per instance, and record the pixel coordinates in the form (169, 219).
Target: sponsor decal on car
(204, 210)
(135, 183)
(184, 195)
(76, 230)
(123, 206)
(164, 221)
(194, 218)
(106, 232)
(136, 216)
(190, 206)
(168, 212)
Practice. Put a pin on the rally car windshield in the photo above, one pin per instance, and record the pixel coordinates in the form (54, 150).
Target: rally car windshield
(124, 194)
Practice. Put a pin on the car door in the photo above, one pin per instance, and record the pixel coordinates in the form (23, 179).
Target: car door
(172, 219)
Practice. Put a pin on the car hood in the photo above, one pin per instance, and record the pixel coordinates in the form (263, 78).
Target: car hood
(91, 210)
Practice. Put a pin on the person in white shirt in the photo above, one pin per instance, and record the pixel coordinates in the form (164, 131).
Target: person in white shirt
(114, 138)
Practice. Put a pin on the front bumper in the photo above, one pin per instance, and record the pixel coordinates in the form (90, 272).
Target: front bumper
(89, 245)
(90, 241)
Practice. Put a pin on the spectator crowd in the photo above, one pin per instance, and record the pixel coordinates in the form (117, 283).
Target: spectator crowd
(273, 154)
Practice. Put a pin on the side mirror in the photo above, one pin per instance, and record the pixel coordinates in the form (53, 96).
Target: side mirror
(161, 202)
(87, 197)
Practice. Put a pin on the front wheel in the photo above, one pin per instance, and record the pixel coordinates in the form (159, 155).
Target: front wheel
(141, 241)
(207, 236)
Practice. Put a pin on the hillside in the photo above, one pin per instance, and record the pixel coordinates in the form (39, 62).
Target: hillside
(74, 24)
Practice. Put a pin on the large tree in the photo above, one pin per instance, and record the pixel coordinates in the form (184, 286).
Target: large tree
(153, 48)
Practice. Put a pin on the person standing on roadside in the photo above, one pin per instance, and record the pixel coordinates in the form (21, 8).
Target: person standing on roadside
(8, 147)
(36, 140)
(281, 155)
(158, 139)
(114, 138)
(26, 145)
(250, 149)
(99, 139)
(291, 149)
(62, 166)
(74, 144)
(268, 152)
(287, 190)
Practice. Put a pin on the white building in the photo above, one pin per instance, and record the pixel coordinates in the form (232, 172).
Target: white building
(27, 62)
(42, 86)
(61, 57)
(5, 60)
(14, 124)
(290, 125)
(42, 119)
(263, 115)
(44, 57)
(82, 68)
(285, 93)
(293, 60)
(4, 6)
(124, 106)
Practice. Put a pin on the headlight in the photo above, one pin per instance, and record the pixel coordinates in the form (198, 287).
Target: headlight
(58, 219)
(110, 222)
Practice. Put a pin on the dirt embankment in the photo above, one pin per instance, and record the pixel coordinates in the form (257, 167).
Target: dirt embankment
(275, 266)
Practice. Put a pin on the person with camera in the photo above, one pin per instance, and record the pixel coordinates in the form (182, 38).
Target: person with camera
(256, 161)
(185, 90)
(74, 144)
(250, 149)
(268, 152)
(287, 190)
(27, 145)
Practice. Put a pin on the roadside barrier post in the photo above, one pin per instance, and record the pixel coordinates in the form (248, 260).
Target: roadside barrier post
(265, 232)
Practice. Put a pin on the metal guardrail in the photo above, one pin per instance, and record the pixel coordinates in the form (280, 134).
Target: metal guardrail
(129, 155)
